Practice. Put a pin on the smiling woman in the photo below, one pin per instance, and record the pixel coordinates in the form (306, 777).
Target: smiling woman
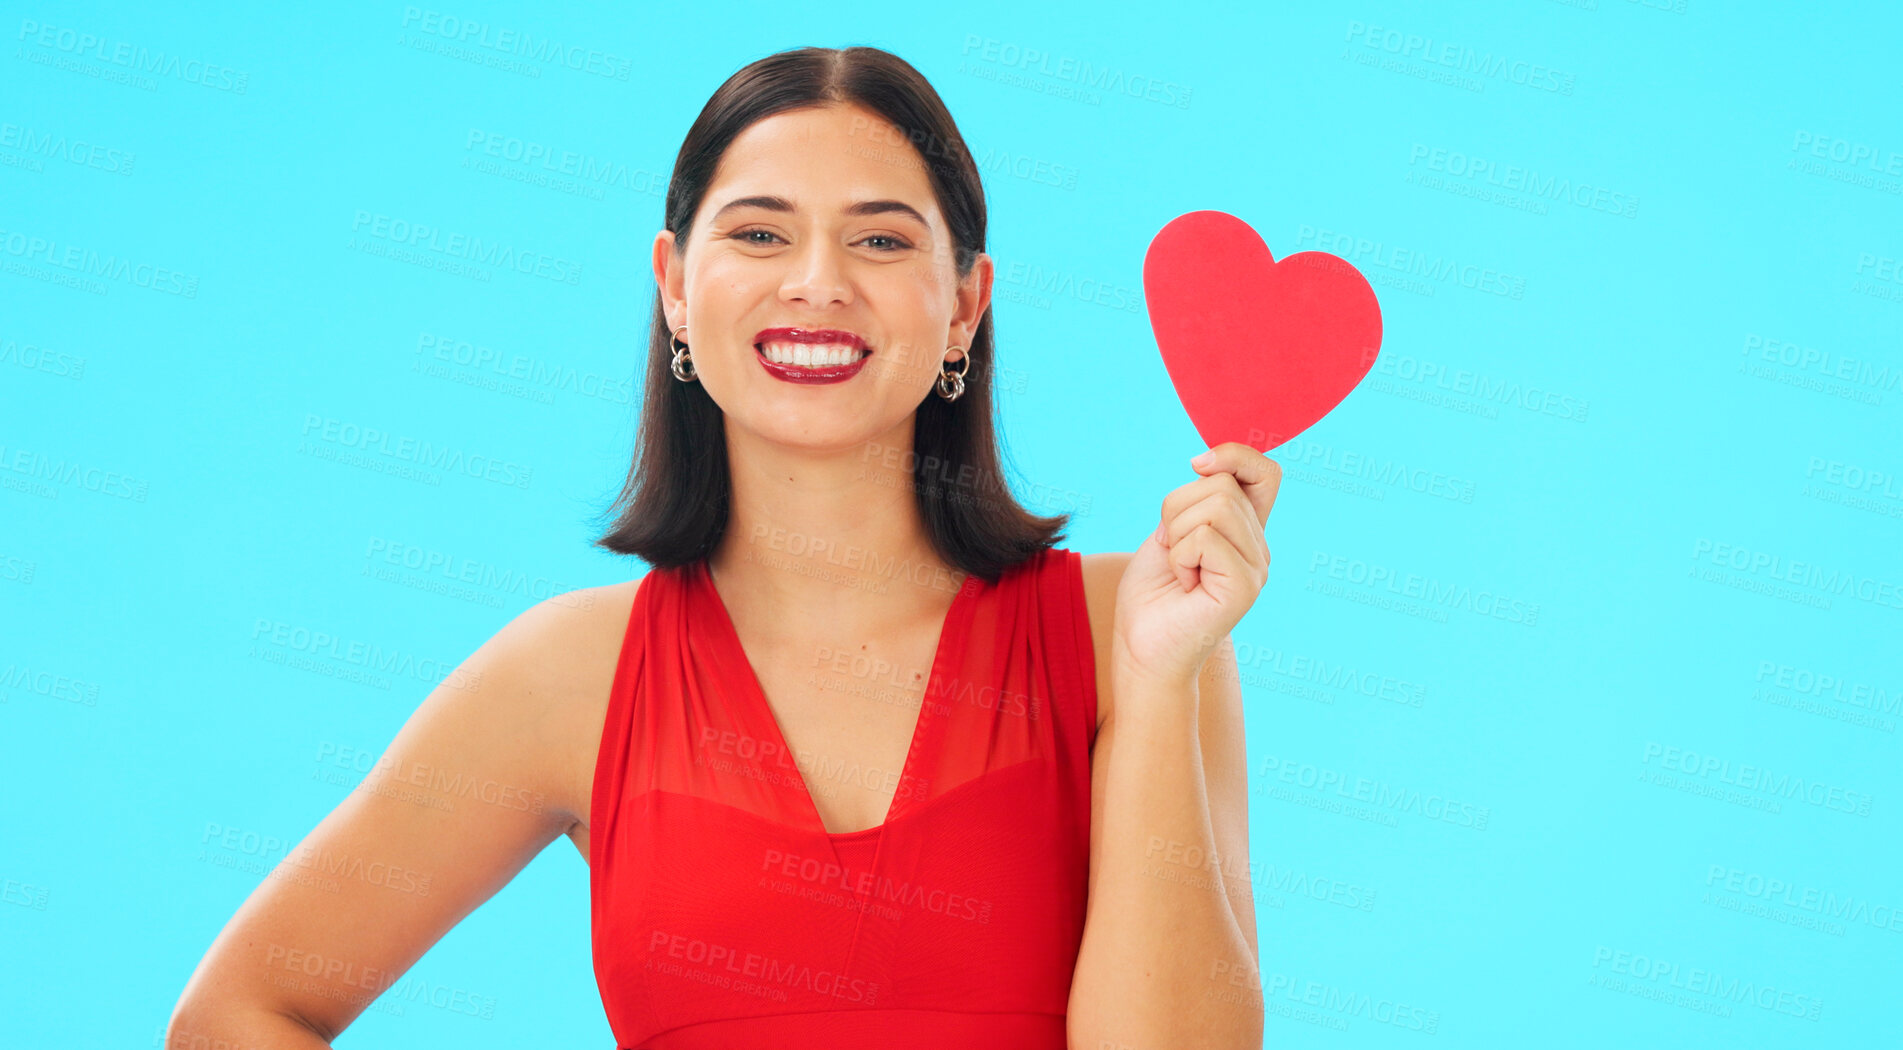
(843, 763)
(823, 198)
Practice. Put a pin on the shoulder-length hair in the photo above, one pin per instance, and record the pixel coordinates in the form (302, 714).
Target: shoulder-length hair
(673, 508)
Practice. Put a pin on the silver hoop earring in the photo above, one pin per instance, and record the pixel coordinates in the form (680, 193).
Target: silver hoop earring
(952, 384)
(683, 364)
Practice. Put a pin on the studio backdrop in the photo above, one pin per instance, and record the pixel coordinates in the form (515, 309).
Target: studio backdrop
(1572, 701)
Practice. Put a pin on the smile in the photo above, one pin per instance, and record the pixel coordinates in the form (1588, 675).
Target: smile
(810, 355)
(803, 355)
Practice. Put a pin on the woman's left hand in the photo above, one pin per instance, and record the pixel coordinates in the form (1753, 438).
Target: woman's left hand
(1194, 577)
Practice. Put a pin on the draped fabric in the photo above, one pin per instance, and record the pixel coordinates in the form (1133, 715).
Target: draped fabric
(725, 915)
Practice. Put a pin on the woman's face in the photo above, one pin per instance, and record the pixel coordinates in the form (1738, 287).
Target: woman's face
(820, 221)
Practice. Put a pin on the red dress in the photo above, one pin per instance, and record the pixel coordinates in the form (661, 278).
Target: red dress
(725, 915)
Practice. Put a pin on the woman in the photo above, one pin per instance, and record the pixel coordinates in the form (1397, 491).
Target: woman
(863, 760)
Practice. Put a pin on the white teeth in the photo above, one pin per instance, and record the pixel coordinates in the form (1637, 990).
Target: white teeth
(809, 355)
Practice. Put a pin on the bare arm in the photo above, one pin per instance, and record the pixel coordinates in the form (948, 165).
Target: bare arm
(483, 775)
(1169, 953)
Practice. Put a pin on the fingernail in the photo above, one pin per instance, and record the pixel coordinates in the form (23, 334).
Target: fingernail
(1203, 459)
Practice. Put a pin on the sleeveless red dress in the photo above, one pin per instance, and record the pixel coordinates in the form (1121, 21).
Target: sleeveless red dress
(725, 915)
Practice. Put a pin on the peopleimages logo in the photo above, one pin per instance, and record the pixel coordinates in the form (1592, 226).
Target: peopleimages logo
(1670, 975)
(1461, 58)
(730, 962)
(332, 434)
(826, 872)
(1876, 376)
(132, 57)
(1377, 468)
(1433, 592)
(1830, 687)
(433, 563)
(30, 465)
(1519, 179)
(1072, 70)
(508, 41)
(450, 244)
(80, 264)
(35, 145)
(544, 159)
(1378, 793)
(1846, 907)
(50, 684)
(514, 372)
(1757, 778)
(1494, 390)
(1809, 576)
(284, 636)
(1290, 995)
(1407, 262)
(1844, 151)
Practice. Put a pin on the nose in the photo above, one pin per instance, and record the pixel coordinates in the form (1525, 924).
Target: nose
(816, 275)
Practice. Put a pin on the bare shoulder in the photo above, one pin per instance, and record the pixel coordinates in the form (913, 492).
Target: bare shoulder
(413, 851)
(1102, 574)
(538, 690)
(557, 659)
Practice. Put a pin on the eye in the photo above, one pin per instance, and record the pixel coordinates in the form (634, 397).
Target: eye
(898, 243)
(745, 236)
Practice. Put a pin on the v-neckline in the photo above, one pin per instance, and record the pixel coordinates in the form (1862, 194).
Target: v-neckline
(756, 693)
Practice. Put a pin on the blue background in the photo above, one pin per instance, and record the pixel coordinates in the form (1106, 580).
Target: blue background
(1672, 444)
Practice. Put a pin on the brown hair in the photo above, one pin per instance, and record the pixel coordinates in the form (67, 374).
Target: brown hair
(673, 508)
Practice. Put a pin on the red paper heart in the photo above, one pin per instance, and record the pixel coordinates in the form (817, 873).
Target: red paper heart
(1258, 350)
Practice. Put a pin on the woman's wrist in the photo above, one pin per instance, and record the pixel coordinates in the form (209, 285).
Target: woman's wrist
(1141, 688)
(1124, 660)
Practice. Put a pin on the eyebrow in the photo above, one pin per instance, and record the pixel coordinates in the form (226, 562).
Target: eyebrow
(772, 203)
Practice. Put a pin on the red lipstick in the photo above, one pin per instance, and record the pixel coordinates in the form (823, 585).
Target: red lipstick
(794, 373)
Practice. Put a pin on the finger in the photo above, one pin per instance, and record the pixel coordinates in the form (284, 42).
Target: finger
(1259, 476)
(1221, 559)
(1196, 491)
(1234, 457)
(1185, 556)
(1230, 515)
(1232, 488)
(1190, 493)
(1189, 556)
(1205, 556)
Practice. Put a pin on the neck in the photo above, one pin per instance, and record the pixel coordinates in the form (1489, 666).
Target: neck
(830, 538)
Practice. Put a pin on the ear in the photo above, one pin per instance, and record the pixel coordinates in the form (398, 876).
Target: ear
(974, 298)
(671, 279)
